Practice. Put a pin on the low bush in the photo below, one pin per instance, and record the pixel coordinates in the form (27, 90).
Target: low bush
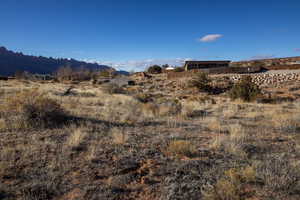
(122, 109)
(155, 69)
(234, 142)
(105, 74)
(280, 174)
(245, 90)
(76, 139)
(32, 109)
(144, 97)
(233, 185)
(181, 148)
(192, 109)
(112, 88)
(119, 136)
(201, 82)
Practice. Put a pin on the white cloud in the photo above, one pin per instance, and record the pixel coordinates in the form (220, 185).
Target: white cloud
(210, 37)
(139, 65)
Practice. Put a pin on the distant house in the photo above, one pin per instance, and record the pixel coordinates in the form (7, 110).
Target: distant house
(170, 68)
(205, 64)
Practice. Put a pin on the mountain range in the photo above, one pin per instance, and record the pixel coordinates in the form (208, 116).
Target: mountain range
(10, 62)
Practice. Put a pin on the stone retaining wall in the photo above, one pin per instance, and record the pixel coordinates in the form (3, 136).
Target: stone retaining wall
(269, 79)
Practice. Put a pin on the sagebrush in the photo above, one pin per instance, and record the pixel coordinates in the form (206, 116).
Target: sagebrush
(32, 109)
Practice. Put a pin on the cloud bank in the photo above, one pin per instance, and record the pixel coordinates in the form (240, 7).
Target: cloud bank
(210, 37)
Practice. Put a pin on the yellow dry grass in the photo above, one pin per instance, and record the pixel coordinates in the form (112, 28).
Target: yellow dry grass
(76, 138)
(119, 136)
(181, 147)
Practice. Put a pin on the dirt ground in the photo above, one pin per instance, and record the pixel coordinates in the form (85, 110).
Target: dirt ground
(158, 140)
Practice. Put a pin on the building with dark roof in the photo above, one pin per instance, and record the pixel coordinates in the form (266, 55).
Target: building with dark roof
(205, 64)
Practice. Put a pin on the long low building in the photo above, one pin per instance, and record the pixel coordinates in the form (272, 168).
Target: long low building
(205, 64)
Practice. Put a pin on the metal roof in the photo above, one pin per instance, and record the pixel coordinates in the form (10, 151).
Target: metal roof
(208, 61)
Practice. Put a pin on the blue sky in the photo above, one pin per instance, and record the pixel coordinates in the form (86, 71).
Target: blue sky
(131, 34)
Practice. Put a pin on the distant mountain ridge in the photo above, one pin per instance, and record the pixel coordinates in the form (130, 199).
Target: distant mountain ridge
(10, 62)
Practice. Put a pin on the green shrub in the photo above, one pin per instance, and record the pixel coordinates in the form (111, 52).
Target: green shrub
(31, 109)
(155, 69)
(201, 82)
(245, 90)
(105, 74)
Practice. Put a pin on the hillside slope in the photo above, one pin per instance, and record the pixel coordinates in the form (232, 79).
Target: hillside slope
(11, 61)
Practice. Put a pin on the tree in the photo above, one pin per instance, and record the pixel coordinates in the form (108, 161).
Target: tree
(201, 82)
(64, 73)
(154, 69)
(82, 74)
(19, 74)
(245, 89)
(165, 66)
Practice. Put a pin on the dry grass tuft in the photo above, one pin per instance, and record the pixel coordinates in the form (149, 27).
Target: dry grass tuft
(92, 153)
(279, 174)
(238, 133)
(76, 138)
(150, 109)
(232, 186)
(214, 124)
(233, 142)
(192, 109)
(181, 148)
(122, 109)
(285, 121)
(119, 136)
(112, 88)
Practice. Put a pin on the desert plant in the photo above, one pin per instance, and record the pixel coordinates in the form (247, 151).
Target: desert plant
(19, 74)
(150, 109)
(122, 109)
(32, 109)
(76, 138)
(232, 143)
(233, 185)
(105, 74)
(245, 90)
(280, 174)
(181, 147)
(112, 88)
(144, 97)
(154, 69)
(201, 82)
(64, 73)
(192, 109)
(119, 136)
